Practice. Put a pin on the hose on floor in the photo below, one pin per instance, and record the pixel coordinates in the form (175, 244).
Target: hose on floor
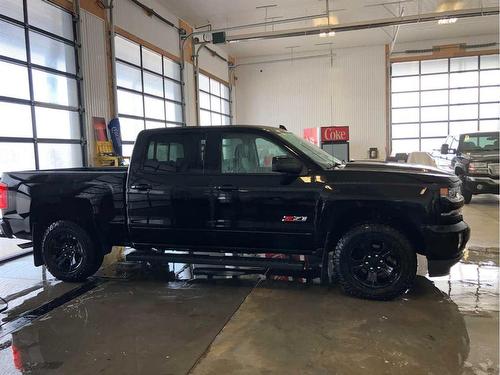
(4, 305)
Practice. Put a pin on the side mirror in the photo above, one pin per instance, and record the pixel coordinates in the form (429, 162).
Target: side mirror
(445, 149)
(288, 165)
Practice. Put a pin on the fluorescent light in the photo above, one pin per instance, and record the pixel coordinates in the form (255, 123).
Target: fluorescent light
(447, 21)
(323, 35)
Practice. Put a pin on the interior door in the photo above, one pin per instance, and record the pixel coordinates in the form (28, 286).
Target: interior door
(255, 207)
(169, 194)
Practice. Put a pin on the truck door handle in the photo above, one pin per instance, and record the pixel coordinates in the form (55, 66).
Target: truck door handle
(226, 187)
(141, 187)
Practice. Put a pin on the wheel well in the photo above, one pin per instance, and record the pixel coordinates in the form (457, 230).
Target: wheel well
(396, 220)
(77, 211)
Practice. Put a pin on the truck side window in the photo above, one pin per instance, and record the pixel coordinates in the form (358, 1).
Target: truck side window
(174, 153)
(248, 153)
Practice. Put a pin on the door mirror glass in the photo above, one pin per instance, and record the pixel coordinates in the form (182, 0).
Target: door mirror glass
(286, 164)
(445, 149)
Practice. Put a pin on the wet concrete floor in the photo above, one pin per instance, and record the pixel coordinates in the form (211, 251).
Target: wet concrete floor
(132, 322)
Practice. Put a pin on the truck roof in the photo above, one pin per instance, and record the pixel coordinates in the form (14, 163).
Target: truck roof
(215, 128)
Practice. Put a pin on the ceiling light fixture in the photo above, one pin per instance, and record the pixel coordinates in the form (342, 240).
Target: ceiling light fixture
(324, 35)
(447, 21)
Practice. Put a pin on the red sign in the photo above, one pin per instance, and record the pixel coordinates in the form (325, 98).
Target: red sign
(334, 133)
(311, 135)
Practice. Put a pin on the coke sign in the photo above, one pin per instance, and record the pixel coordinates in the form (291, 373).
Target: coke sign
(334, 134)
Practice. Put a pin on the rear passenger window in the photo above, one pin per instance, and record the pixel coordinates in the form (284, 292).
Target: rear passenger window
(175, 153)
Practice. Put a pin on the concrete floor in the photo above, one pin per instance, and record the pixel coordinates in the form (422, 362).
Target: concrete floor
(130, 322)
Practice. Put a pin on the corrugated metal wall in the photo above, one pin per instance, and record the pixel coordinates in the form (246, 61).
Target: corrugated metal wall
(350, 90)
(95, 75)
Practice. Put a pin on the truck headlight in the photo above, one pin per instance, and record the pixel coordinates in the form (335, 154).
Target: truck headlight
(452, 193)
(478, 168)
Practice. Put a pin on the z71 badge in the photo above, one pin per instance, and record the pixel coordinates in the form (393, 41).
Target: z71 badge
(289, 219)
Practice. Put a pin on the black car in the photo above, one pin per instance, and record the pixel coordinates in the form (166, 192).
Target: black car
(194, 194)
(475, 159)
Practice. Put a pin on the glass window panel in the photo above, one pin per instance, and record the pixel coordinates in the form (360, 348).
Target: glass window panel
(490, 77)
(172, 90)
(490, 62)
(17, 156)
(224, 91)
(434, 129)
(489, 125)
(434, 113)
(59, 155)
(205, 118)
(464, 79)
(405, 115)
(432, 144)
(214, 87)
(154, 124)
(153, 84)
(490, 110)
(404, 145)
(463, 112)
(154, 108)
(53, 88)
(405, 68)
(15, 120)
(50, 18)
(463, 96)
(459, 127)
(214, 103)
(225, 107)
(463, 63)
(127, 150)
(128, 77)
(51, 53)
(56, 123)
(129, 128)
(226, 120)
(216, 119)
(174, 112)
(405, 131)
(204, 100)
(12, 41)
(171, 69)
(127, 50)
(204, 83)
(129, 103)
(405, 99)
(12, 9)
(151, 60)
(435, 81)
(14, 81)
(434, 66)
(434, 97)
(489, 94)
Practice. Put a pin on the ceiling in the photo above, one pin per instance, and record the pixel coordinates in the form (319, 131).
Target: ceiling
(223, 13)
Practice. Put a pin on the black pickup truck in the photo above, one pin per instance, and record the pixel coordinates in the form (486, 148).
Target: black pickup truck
(474, 158)
(193, 195)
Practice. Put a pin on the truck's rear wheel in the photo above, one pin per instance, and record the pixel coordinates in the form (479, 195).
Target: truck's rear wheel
(69, 252)
(375, 261)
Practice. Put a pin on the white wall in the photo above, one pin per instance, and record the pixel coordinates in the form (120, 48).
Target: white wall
(214, 64)
(350, 91)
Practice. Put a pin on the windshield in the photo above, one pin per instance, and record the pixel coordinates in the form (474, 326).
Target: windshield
(321, 157)
(475, 142)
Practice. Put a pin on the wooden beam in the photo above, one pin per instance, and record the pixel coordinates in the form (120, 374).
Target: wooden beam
(445, 51)
(95, 7)
(188, 43)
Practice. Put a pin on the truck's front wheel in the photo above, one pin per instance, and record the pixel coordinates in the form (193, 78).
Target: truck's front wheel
(375, 261)
(69, 252)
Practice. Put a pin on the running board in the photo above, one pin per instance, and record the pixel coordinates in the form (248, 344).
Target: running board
(242, 261)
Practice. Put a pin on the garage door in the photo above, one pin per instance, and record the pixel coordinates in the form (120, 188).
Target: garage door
(433, 98)
(40, 123)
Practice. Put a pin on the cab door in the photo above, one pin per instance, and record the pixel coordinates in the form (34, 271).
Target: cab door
(168, 194)
(255, 207)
